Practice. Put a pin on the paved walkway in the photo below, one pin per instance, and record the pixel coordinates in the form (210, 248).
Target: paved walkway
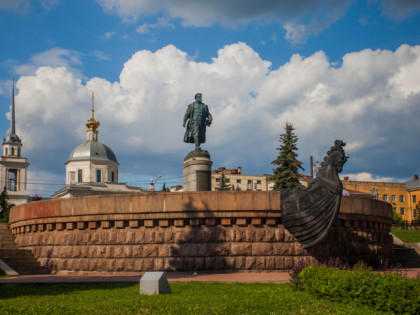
(275, 277)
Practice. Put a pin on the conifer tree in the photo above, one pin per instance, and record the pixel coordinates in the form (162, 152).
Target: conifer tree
(4, 206)
(164, 188)
(223, 183)
(286, 174)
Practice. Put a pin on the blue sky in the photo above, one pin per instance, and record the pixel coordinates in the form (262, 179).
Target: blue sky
(335, 69)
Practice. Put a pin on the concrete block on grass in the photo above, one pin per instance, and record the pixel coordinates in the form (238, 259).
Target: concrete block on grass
(154, 283)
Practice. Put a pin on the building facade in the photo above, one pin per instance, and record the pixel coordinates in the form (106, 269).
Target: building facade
(13, 167)
(396, 194)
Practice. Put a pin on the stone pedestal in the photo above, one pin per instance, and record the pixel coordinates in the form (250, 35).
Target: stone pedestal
(197, 171)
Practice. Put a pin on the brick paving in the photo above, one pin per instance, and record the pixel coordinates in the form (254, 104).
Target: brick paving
(274, 277)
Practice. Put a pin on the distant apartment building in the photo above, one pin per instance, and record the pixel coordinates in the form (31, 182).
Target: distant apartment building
(239, 181)
(403, 197)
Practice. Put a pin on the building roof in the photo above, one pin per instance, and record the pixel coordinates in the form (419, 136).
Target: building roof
(412, 183)
(92, 150)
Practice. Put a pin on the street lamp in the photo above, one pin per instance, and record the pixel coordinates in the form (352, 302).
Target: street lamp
(152, 183)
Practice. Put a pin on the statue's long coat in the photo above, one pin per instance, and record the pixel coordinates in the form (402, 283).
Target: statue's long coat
(196, 126)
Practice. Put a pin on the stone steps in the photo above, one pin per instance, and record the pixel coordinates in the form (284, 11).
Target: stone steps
(21, 260)
(406, 256)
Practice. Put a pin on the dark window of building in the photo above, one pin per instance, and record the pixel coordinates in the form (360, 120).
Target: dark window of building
(238, 181)
(79, 176)
(12, 180)
(5, 152)
(385, 197)
(13, 151)
(402, 211)
(98, 176)
(394, 198)
(227, 180)
(258, 182)
(402, 198)
(18, 152)
(414, 199)
(112, 177)
(217, 180)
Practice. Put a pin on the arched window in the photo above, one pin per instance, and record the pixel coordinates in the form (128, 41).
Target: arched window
(13, 151)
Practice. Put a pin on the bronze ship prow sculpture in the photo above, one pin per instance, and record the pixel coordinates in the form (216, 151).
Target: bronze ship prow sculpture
(308, 212)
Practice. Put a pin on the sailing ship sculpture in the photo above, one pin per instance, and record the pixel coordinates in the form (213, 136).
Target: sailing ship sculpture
(308, 212)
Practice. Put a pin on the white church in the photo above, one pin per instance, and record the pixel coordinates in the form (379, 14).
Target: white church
(13, 167)
(92, 168)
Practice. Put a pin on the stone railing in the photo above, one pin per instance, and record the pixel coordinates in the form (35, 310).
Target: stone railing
(189, 231)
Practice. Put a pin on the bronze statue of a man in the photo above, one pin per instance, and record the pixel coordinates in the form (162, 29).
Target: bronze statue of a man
(198, 117)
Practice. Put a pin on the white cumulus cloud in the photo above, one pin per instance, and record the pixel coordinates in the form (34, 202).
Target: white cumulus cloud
(371, 102)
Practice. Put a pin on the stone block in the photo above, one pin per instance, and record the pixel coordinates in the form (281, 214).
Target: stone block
(260, 235)
(150, 250)
(210, 221)
(159, 236)
(106, 224)
(250, 263)
(154, 283)
(133, 224)
(283, 249)
(179, 222)
(93, 225)
(195, 222)
(240, 235)
(241, 249)
(119, 224)
(271, 222)
(241, 221)
(138, 264)
(260, 263)
(240, 263)
(226, 222)
(163, 223)
(148, 223)
(81, 225)
(149, 264)
(262, 249)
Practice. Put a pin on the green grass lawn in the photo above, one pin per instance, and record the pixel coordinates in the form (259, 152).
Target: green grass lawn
(186, 298)
(407, 236)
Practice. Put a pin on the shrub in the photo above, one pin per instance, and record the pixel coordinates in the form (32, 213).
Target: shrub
(397, 219)
(389, 292)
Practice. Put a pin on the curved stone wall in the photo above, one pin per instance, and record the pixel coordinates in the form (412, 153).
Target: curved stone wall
(190, 231)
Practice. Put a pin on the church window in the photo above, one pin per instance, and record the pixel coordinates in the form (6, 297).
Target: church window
(18, 152)
(79, 176)
(12, 180)
(5, 151)
(98, 176)
(13, 151)
(112, 176)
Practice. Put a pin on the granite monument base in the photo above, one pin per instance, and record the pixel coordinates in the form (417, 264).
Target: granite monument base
(197, 171)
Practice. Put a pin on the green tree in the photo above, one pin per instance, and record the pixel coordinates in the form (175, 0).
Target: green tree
(397, 219)
(5, 206)
(286, 174)
(223, 185)
(164, 188)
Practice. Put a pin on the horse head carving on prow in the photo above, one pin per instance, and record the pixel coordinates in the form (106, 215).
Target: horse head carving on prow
(334, 161)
